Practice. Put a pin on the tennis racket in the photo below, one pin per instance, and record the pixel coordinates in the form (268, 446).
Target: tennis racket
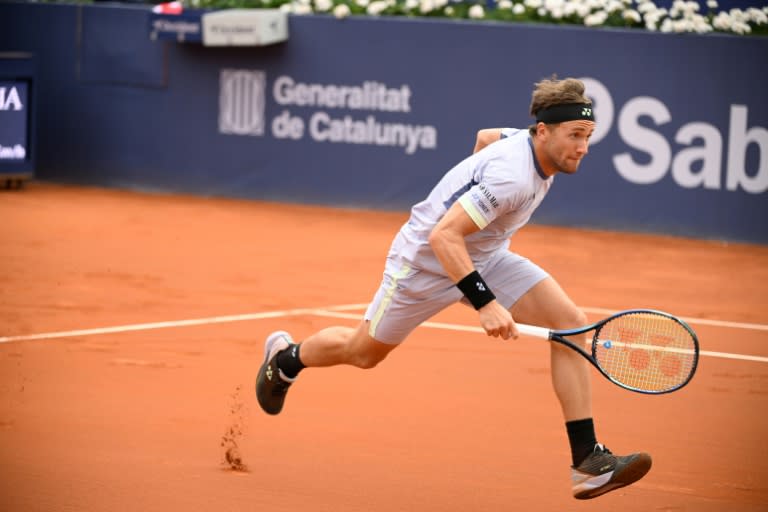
(641, 350)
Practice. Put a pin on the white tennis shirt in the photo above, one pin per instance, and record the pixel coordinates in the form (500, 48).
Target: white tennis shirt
(499, 187)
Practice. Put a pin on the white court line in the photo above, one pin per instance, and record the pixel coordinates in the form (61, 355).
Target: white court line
(696, 321)
(330, 311)
(173, 323)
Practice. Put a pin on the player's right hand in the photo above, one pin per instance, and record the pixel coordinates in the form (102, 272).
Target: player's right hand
(497, 321)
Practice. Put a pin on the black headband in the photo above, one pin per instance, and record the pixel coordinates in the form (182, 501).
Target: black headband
(566, 112)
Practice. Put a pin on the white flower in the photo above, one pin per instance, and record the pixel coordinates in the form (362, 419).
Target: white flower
(757, 16)
(614, 6)
(377, 7)
(632, 15)
(701, 26)
(411, 4)
(652, 18)
(681, 26)
(737, 15)
(666, 25)
(712, 4)
(505, 4)
(646, 7)
(741, 28)
(596, 19)
(722, 21)
(301, 8)
(362, 3)
(541, 11)
(448, 11)
(583, 10)
(655, 16)
(341, 11)
(595, 4)
(533, 4)
(323, 5)
(426, 6)
(476, 12)
(518, 9)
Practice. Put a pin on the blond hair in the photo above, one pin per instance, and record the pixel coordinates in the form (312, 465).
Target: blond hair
(551, 91)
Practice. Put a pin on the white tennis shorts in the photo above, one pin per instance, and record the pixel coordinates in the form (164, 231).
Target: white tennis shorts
(409, 296)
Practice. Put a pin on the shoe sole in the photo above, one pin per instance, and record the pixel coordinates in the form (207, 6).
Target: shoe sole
(630, 474)
(268, 344)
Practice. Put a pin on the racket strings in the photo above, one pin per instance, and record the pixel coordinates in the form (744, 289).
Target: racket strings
(646, 351)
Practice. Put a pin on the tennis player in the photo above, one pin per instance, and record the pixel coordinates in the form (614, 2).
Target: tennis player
(455, 248)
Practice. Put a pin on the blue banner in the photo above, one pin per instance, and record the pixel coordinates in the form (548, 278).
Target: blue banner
(14, 135)
(367, 112)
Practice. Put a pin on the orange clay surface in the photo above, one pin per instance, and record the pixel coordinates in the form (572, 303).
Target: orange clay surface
(155, 416)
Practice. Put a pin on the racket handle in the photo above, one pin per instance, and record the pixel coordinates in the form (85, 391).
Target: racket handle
(532, 330)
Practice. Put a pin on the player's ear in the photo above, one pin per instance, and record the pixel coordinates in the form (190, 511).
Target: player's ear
(541, 129)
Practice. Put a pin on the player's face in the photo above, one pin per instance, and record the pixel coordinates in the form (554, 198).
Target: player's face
(567, 143)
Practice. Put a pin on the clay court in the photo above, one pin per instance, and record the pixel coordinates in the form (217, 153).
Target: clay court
(132, 325)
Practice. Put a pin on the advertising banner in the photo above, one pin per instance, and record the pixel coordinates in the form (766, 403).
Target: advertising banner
(14, 134)
(371, 112)
(681, 144)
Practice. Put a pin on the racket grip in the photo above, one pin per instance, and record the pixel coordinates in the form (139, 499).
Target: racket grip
(532, 330)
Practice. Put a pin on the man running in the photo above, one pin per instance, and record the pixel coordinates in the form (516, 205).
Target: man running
(455, 248)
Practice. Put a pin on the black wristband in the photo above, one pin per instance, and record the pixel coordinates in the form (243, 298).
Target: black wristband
(475, 289)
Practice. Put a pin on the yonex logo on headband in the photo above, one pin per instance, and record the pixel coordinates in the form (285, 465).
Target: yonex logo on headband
(566, 112)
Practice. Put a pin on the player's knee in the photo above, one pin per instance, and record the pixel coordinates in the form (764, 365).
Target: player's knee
(365, 352)
(368, 357)
(572, 319)
(367, 360)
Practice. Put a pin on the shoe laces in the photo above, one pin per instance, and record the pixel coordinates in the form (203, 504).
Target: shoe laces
(601, 448)
(598, 462)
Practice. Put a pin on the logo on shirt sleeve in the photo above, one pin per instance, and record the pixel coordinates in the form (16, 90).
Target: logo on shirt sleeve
(489, 196)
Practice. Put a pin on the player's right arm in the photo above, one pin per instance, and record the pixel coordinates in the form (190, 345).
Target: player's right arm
(447, 242)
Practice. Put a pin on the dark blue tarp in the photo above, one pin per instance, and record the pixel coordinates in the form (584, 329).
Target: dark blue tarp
(368, 112)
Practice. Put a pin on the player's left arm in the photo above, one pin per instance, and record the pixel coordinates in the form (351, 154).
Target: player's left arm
(486, 136)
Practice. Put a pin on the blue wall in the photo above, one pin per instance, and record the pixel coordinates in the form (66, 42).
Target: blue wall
(682, 146)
